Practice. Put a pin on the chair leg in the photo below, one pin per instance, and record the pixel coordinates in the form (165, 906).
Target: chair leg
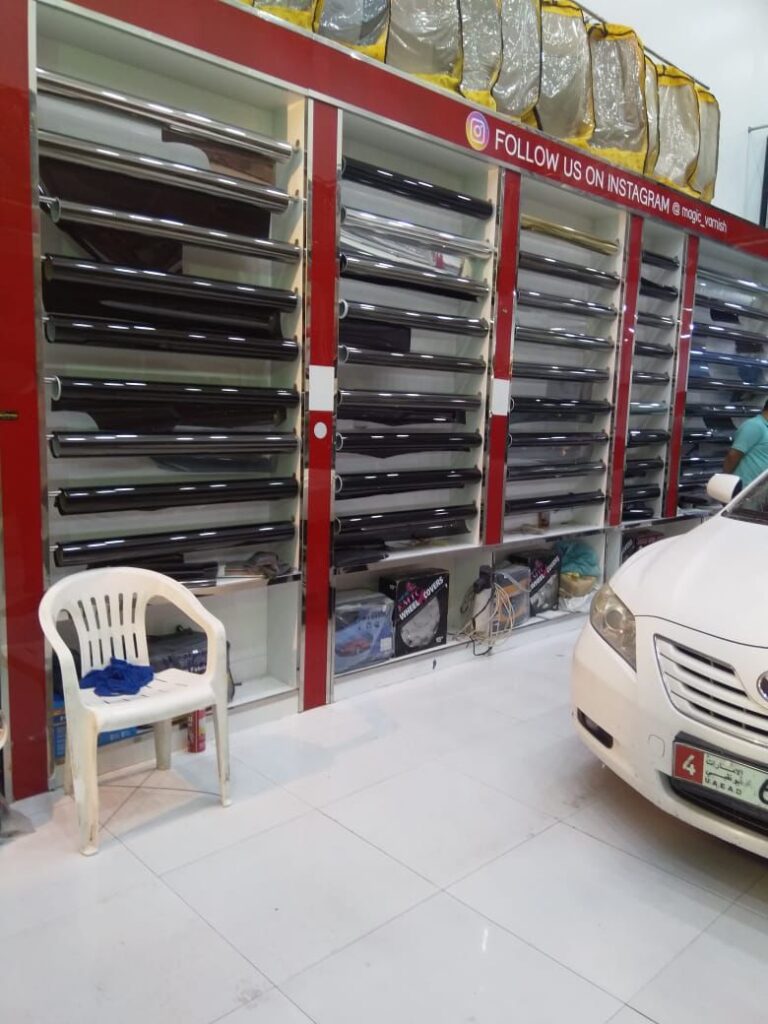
(85, 783)
(221, 728)
(162, 732)
(68, 787)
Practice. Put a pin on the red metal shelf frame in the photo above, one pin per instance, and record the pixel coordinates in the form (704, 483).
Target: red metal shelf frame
(625, 359)
(681, 373)
(322, 345)
(504, 316)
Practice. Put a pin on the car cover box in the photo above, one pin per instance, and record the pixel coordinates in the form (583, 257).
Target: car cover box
(544, 567)
(363, 632)
(420, 614)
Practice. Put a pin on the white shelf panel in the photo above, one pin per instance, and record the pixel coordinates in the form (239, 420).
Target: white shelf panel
(524, 537)
(251, 691)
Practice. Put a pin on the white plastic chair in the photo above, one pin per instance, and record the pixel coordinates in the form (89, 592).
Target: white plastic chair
(108, 610)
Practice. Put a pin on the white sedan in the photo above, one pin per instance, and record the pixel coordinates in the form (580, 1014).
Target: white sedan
(670, 675)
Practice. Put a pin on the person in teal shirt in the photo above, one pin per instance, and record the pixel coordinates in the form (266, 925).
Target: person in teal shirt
(748, 456)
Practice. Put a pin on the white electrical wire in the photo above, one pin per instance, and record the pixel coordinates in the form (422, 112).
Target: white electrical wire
(501, 617)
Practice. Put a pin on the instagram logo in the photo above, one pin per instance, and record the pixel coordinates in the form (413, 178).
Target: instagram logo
(478, 132)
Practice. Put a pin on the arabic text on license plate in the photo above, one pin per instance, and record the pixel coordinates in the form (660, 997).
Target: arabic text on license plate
(715, 772)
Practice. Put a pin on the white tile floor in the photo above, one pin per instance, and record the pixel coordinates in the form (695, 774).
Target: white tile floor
(439, 852)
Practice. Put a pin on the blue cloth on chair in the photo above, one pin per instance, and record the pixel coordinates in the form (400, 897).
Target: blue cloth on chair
(117, 678)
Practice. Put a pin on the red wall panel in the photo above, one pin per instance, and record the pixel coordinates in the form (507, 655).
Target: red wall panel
(20, 437)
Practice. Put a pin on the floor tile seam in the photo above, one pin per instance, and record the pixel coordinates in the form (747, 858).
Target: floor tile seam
(679, 954)
(163, 880)
(626, 1006)
(313, 1020)
(537, 949)
(213, 792)
(529, 719)
(504, 792)
(270, 782)
(757, 881)
(213, 853)
(211, 927)
(132, 791)
(497, 857)
(284, 982)
(147, 766)
(438, 761)
(362, 789)
(476, 703)
(181, 789)
(117, 784)
(395, 860)
(644, 860)
(252, 1002)
(63, 915)
(736, 905)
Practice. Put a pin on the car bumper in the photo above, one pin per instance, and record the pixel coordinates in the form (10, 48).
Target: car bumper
(635, 712)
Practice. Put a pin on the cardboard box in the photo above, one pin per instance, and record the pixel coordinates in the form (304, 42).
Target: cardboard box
(363, 630)
(633, 542)
(544, 565)
(420, 615)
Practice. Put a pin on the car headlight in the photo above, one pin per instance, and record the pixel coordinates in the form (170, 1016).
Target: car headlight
(615, 623)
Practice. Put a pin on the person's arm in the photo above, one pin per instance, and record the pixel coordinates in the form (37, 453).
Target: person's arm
(747, 436)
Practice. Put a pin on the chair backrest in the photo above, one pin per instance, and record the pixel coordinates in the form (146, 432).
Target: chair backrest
(108, 610)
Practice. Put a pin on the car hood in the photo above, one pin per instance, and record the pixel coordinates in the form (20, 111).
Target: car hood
(712, 579)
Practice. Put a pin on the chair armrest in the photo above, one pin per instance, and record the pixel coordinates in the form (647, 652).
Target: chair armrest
(70, 680)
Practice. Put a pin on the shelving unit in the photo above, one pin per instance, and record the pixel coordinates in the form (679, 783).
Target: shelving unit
(563, 363)
(172, 240)
(193, 221)
(653, 368)
(416, 248)
(727, 381)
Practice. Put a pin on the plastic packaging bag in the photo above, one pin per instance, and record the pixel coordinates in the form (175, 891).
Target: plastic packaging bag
(618, 89)
(425, 40)
(481, 40)
(705, 175)
(679, 131)
(652, 113)
(517, 88)
(360, 24)
(298, 12)
(565, 108)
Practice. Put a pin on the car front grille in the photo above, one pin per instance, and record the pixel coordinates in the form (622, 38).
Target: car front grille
(710, 692)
